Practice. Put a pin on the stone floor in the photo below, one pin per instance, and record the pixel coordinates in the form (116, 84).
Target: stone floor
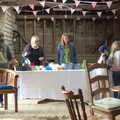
(30, 110)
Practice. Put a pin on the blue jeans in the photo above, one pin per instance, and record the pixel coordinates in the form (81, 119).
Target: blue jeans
(1, 98)
(115, 82)
(71, 66)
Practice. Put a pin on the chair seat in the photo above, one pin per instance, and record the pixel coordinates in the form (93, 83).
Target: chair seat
(108, 103)
(6, 86)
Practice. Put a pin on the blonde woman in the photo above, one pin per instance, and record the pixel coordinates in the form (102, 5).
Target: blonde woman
(114, 62)
(114, 57)
(34, 52)
(66, 52)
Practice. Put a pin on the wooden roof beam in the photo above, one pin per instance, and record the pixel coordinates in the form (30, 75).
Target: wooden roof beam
(28, 17)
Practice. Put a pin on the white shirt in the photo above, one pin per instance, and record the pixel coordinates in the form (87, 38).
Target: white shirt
(116, 58)
(114, 61)
(102, 58)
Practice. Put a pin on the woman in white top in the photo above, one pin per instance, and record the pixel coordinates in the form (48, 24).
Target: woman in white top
(114, 63)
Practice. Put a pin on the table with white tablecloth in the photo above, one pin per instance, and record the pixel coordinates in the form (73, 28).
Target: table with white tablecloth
(47, 84)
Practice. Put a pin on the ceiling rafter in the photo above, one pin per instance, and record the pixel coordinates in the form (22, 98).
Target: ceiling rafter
(55, 9)
(83, 4)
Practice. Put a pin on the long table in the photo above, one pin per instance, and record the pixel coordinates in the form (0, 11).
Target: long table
(47, 84)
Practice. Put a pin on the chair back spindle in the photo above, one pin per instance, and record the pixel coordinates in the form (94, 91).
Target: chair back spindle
(75, 104)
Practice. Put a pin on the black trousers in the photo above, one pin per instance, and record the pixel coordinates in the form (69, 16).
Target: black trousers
(116, 82)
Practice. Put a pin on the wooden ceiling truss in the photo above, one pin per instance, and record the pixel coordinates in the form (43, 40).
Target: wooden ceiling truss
(59, 12)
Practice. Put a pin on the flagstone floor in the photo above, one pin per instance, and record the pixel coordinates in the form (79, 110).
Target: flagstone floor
(30, 110)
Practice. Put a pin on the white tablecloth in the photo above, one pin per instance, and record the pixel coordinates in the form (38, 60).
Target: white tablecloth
(47, 84)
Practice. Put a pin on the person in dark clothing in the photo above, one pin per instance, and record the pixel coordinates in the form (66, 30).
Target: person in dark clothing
(34, 52)
(5, 53)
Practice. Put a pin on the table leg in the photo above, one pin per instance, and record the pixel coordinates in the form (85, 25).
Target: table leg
(45, 100)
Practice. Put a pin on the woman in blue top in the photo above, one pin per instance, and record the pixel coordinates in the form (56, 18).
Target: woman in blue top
(66, 52)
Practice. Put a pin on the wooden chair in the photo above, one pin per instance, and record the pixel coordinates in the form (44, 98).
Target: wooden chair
(75, 104)
(8, 84)
(99, 92)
